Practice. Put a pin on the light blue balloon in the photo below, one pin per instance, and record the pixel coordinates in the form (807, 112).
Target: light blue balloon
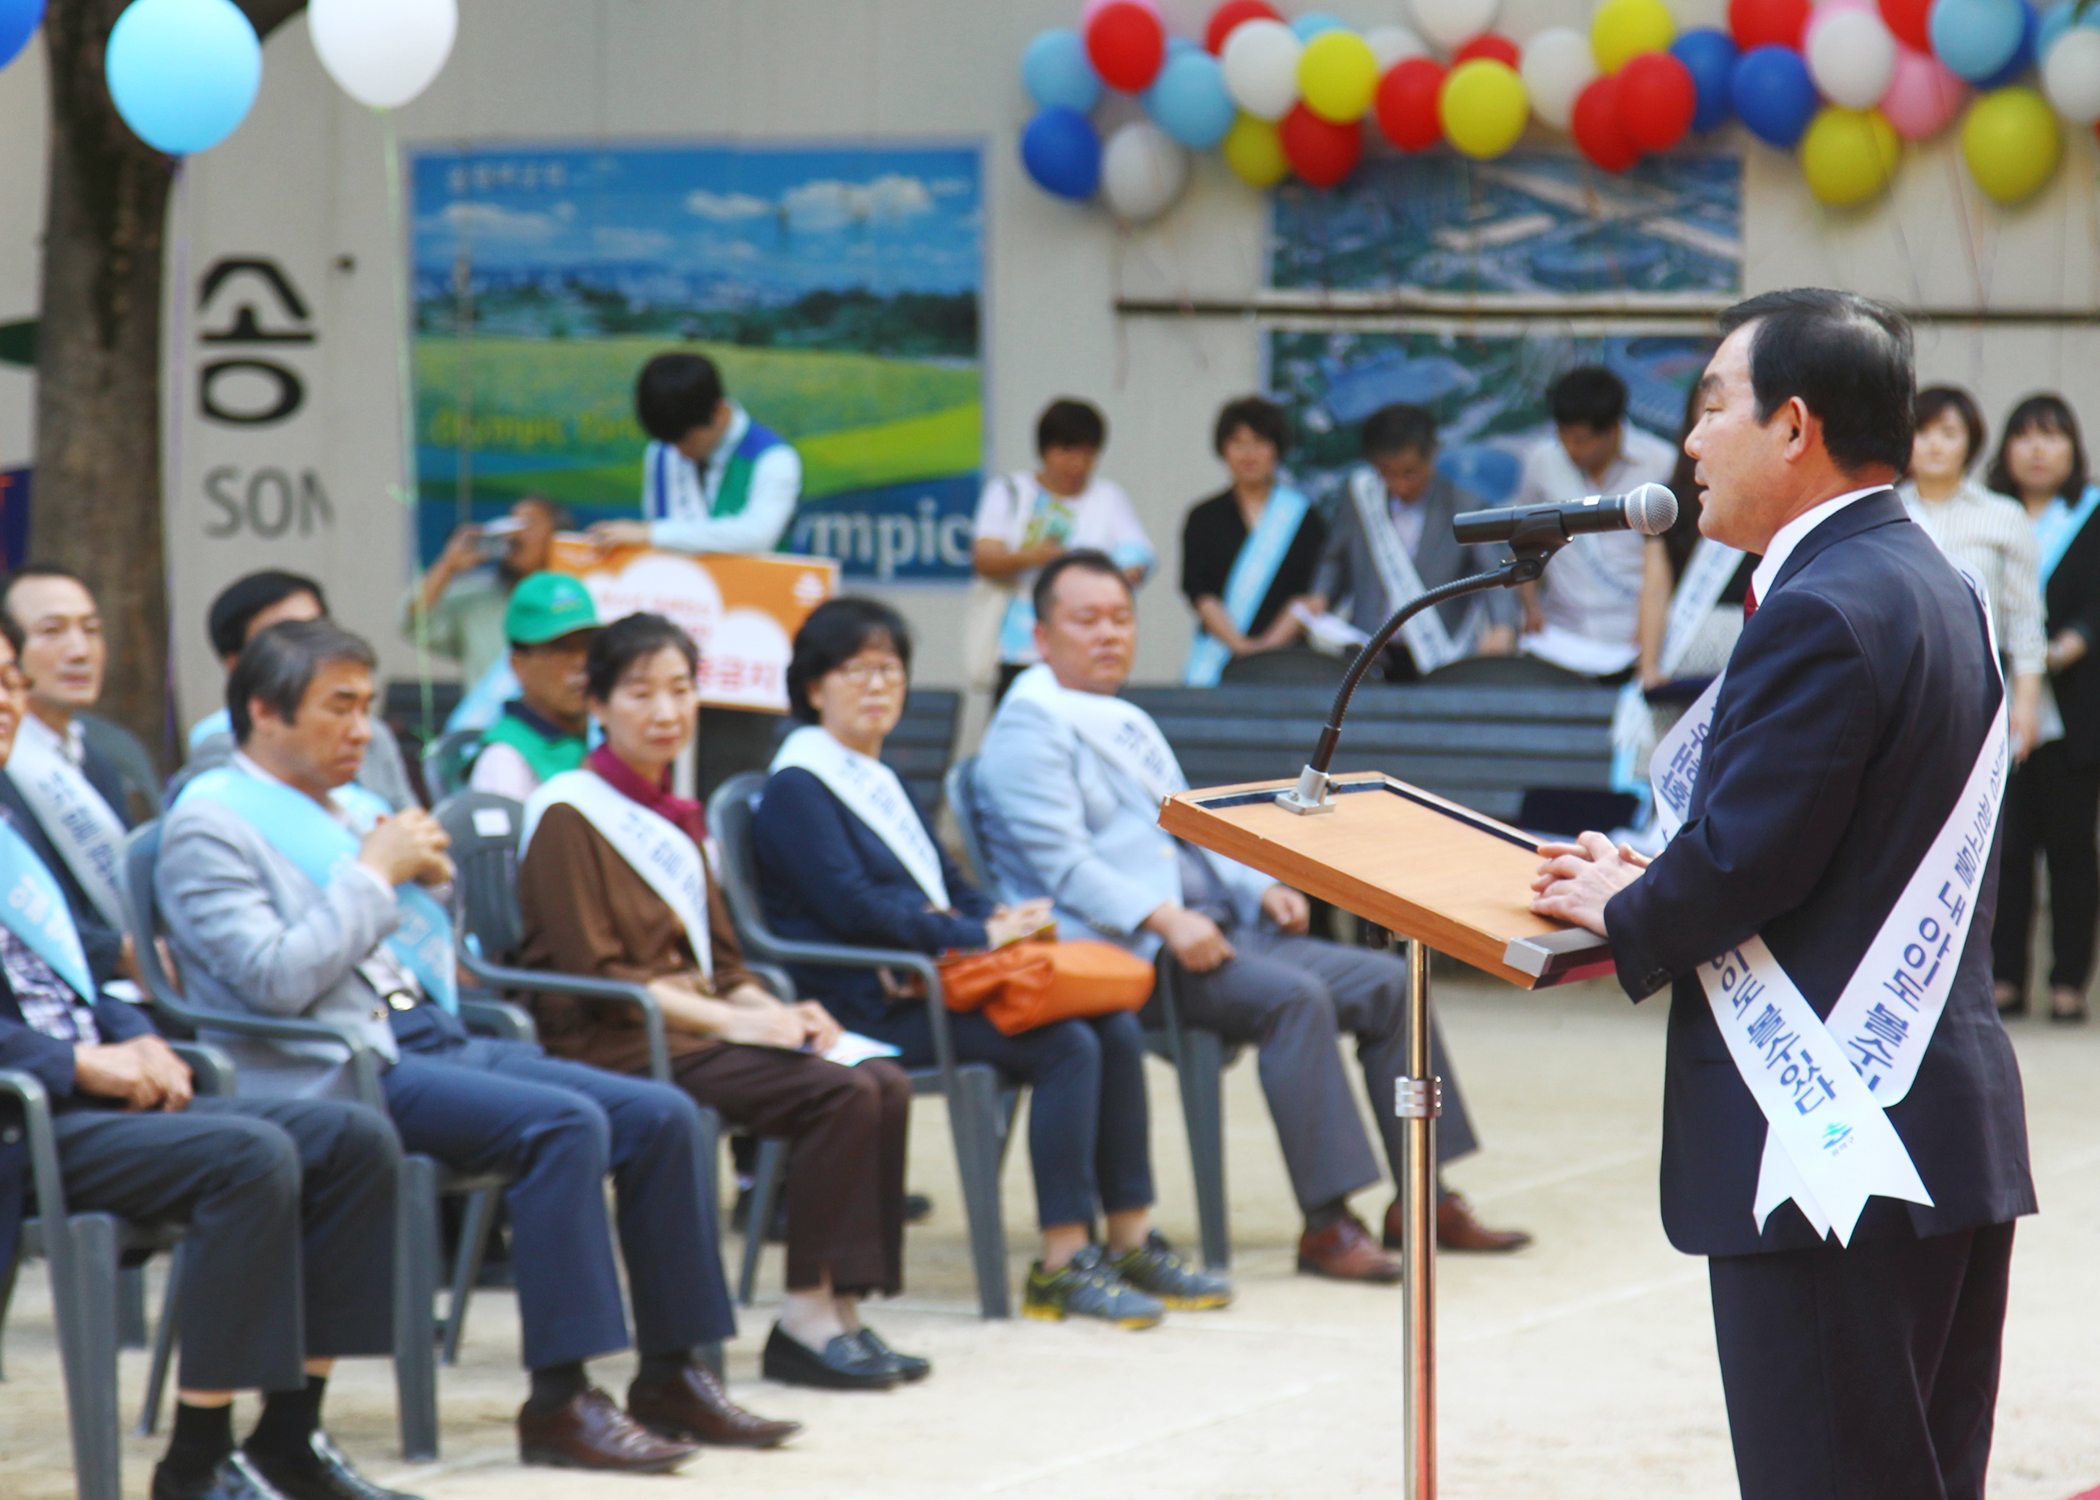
(1976, 38)
(1176, 45)
(183, 73)
(2056, 20)
(1313, 22)
(1058, 73)
(1190, 102)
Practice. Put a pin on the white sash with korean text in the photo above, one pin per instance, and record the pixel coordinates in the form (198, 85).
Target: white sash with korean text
(873, 794)
(656, 849)
(86, 830)
(1428, 641)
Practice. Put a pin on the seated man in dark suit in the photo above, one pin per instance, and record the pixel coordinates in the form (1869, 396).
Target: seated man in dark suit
(288, 892)
(288, 1263)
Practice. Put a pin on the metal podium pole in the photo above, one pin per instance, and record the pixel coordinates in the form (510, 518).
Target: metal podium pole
(1418, 1098)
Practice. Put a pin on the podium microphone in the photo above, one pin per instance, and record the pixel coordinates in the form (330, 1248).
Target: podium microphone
(1651, 510)
(1534, 533)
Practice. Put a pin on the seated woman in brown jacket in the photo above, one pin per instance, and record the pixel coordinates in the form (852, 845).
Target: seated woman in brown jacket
(612, 883)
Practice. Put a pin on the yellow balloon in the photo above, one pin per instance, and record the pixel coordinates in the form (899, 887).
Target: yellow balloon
(1337, 76)
(1848, 155)
(1254, 151)
(2011, 142)
(1624, 28)
(1483, 107)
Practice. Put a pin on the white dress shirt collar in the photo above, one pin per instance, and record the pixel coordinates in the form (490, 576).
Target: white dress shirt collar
(1790, 536)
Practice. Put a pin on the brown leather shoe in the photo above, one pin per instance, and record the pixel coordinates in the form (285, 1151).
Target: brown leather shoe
(592, 1433)
(1457, 1229)
(694, 1408)
(1346, 1251)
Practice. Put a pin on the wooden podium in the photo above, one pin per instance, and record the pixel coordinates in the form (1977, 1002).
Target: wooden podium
(1445, 878)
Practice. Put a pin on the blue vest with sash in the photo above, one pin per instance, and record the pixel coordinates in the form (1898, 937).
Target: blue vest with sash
(35, 910)
(301, 830)
(1253, 573)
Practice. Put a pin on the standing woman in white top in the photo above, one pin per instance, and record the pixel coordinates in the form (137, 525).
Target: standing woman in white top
(1988, 534)
(1025, 520)
(2052, 802)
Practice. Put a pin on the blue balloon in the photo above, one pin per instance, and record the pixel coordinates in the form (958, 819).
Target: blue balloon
(2056, 20)
(1977, 39)
(1774, 95)
(1058, 73)
(1313, 22)
(183, 73)
(1062, 153)
(1190, 102)
(19, 20)
(2023, 55)
(1709, 56)
(1176, 45)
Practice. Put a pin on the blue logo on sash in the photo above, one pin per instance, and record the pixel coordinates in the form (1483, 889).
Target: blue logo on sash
(35, 910)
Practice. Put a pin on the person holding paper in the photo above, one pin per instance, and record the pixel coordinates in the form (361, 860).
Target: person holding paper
(1844, 1135)
(612, 883)
(1391, 542)
(456, 609)
(288, 892)
(1249, 552)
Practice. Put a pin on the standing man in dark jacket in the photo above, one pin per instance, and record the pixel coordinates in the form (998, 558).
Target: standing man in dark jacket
(1844, 1134)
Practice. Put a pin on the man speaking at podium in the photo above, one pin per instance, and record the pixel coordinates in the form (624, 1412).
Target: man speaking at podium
(1843, 1130)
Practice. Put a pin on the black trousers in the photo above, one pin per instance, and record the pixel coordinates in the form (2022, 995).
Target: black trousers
(290, 1207)
(1868, 1373)
(2052, 808)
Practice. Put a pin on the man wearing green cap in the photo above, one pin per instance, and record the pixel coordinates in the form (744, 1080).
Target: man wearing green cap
(549, 622)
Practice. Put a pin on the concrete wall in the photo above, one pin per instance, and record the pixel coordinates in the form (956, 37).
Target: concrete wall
(304, 183)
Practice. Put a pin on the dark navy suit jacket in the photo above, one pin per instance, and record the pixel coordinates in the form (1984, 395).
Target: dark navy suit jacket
(103, 943)
(825, 877)
(1853, 710)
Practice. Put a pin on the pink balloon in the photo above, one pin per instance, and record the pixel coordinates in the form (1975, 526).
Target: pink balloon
(1924, 95)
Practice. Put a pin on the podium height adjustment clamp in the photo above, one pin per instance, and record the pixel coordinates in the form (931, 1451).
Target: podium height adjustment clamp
(1418, 1098)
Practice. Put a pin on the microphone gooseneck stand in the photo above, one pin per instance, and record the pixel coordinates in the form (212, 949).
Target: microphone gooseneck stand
(1418, 1094)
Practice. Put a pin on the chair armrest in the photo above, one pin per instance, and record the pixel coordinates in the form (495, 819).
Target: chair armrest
(840, 956)
(364, 1063)
(211, 1070)
(43, 1147)
(774, 978)
(581, 987)
(498, 1018)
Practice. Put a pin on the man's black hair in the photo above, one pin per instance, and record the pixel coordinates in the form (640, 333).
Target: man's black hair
(1260, 416)
(626, 641)
(1588, 396)
(1081, 559)
(1068, 423)
(676, 393)
(1848, 359)
(835, 632)
(1399, 428)
(36, 570)
(279, 665)
(243, 599)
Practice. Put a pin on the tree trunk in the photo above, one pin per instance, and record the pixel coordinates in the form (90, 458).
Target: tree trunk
(97, 504)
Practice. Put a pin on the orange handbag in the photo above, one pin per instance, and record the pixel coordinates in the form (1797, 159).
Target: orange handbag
(1033, 983)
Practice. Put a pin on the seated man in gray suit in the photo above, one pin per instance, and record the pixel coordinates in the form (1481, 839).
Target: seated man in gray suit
(1391, 542)
(289, 892)
(1069, 782)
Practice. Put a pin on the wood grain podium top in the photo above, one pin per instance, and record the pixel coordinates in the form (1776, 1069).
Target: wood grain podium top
(1411, 861)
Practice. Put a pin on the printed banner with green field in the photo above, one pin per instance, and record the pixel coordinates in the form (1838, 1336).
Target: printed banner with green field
(838, 291)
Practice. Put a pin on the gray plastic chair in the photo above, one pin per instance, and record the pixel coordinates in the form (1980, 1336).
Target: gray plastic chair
(423, 1180)
(84, 1252)
(448, 761)
(1200, 1057)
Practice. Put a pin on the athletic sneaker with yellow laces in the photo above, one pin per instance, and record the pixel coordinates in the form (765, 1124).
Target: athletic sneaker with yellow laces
(1087, 1286)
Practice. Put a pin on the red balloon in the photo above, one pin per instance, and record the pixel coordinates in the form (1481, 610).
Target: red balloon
(1907, 19)
(1406, 103)
(1232, 13)
(1769, 23)
(1320, 151)
(1489, 45)
(1595, 126)
(1126, 44)
(1656, 100)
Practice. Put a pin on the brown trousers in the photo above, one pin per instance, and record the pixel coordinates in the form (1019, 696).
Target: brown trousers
(847, 1129)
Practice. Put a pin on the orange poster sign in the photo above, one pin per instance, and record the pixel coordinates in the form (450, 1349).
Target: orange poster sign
(742, 611)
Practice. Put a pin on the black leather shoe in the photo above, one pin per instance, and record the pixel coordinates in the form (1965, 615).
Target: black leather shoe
(845, 1365)
(910, 1367)
(321, 1473)
(234, 1479)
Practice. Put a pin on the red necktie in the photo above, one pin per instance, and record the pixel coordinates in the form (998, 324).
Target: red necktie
(1749, 602)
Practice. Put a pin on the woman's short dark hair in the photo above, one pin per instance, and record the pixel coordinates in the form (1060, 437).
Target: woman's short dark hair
(835, 632)
(1935, 401)
(243, 599)
(1588, 396)
(1067, 423)
(279, 665)
(1847, 357)
(1080, 559)
(1399, 428)
(2051, 414)
(676, 393)
(1260, 416)
(627, 640)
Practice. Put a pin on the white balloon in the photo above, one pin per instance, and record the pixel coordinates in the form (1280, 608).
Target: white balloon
(1558, 65)
(1451, 23)
(1143, 171)
(383, 52)
(2071, 75)
(1851, 55)
(1261, 68)
(1391, 44)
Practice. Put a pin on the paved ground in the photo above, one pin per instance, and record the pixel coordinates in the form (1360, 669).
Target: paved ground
(1581, 1368)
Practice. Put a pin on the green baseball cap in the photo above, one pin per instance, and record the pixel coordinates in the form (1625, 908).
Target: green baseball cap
(547, 606)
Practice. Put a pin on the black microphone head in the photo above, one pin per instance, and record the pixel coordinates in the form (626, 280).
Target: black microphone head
(1651, 510)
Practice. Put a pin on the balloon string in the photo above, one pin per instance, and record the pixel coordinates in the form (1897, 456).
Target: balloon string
(177, 364)
(405, 375)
